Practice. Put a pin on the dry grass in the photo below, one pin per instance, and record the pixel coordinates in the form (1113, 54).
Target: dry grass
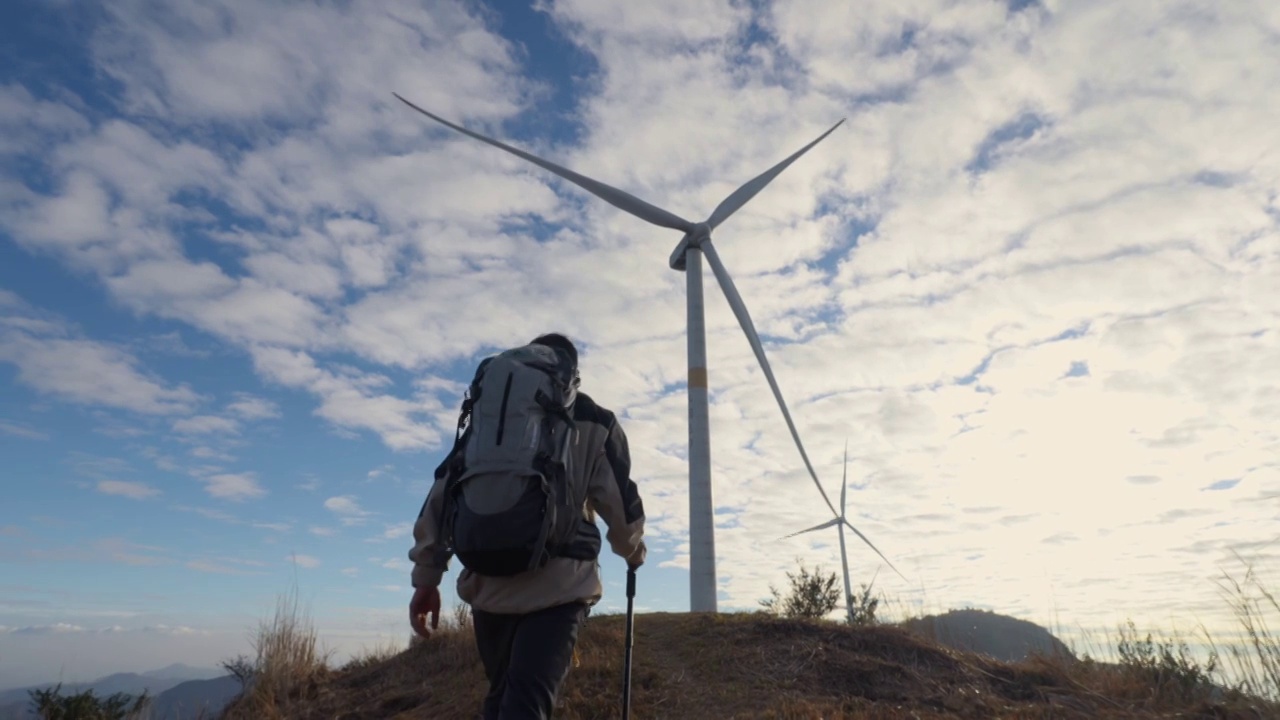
(1255, 658)
(288, 667)
(379, 654)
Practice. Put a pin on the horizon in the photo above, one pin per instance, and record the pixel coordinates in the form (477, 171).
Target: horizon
(242, 289)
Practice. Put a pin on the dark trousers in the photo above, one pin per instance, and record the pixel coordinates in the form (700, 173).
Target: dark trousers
(526, 658)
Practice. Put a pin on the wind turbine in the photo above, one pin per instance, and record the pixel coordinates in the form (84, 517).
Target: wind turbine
(839, 522)
(687, 257)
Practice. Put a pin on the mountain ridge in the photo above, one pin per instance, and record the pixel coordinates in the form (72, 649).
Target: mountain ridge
(169, 694)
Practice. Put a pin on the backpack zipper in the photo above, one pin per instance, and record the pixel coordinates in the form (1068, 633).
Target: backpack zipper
(502, 414)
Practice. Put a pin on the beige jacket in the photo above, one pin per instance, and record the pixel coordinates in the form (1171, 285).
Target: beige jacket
(604, 467)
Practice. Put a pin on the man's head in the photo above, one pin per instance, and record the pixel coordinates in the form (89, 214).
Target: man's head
(564, 345)
(559, 342)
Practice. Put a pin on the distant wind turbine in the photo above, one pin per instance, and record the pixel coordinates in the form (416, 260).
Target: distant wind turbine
(687, 256)
(840, 522)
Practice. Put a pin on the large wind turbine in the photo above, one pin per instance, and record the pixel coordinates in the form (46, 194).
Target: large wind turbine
(840, 522)
(687, 257)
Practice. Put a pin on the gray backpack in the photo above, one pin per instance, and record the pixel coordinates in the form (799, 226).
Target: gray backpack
(509, 503)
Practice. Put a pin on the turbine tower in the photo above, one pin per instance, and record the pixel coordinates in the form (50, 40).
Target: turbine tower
(687, 257)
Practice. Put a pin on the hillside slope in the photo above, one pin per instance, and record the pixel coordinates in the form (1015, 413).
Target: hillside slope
(747, 666)
(194, 699)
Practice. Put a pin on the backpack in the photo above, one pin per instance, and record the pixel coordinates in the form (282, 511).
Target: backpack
(509, 503)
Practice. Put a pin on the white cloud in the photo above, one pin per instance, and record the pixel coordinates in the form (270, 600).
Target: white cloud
(344, 505)
(28, 123)
(205, 425)
(348, 400)
(135, 490)
(280, 527)
(22, 431)
(218, 568)
(129, 552)
(398, 531)
(249, 407)
(378, 472)
(207, 453)
(172, 630)
(171, 343)
(350, 572)
(305, 561)
(234, 486)
(54, 629)
(79, 370)
(347, 509)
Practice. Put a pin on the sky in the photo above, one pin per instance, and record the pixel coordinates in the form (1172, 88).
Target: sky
(1028, 282)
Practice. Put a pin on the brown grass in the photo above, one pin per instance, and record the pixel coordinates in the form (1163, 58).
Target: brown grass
(288, 667)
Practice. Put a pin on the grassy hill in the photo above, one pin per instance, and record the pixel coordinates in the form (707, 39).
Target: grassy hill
(748, 666)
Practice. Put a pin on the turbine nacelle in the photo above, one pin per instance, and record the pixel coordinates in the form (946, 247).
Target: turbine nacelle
(701, 233)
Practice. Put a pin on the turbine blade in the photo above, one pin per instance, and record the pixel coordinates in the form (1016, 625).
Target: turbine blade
(873, 547)
(844, 481)
(744, 319)
(739, 197)
(619, 199)
(830, 523)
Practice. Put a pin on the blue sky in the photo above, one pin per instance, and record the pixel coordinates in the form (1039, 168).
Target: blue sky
(241, 287)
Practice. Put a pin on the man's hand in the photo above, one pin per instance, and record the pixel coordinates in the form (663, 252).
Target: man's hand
(637, 557)
(425, 602)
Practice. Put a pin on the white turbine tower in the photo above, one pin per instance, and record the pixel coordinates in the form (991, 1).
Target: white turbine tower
(840, 522)
(688, 257)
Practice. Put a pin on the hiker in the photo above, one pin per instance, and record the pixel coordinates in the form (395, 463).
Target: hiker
(527, 604)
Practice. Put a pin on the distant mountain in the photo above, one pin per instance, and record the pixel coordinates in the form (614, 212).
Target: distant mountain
(999, 636)
(195, 698)
(178, 671)
(170, 681)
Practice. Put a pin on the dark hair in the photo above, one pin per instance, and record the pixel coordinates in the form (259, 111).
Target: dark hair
(559, 342)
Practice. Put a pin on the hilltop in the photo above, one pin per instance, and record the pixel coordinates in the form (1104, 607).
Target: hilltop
(983, 631)
(752, 666)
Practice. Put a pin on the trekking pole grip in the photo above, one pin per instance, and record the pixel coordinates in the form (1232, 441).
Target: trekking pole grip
(631, 581)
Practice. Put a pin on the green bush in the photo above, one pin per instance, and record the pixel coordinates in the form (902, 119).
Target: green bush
(862, 606)
(812, 595)
(51, 704)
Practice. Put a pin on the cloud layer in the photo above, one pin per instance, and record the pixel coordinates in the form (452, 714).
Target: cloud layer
(1029, 281)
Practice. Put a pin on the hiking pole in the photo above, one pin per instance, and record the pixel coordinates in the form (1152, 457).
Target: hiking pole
(626, 663)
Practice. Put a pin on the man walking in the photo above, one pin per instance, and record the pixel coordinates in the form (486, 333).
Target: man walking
(527, 606)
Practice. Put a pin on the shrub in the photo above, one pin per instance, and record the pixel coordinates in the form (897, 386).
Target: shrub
(51, 704)
(812, 595)
(862, 606)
